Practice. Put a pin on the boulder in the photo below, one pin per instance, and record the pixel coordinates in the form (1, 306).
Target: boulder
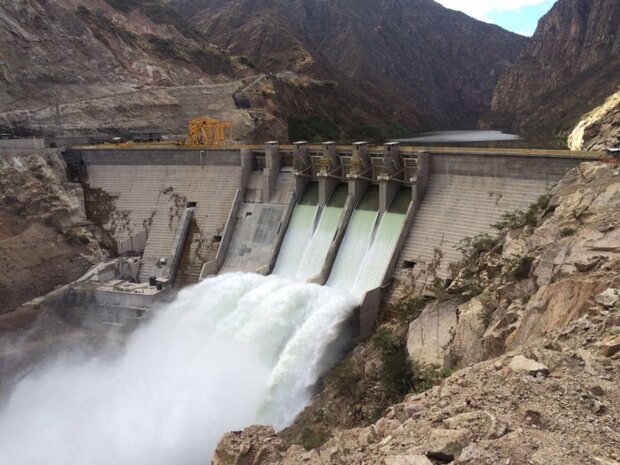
(467, 344)
(256, 444)
(430, 332)
(610, 346)
(446, 444)
(608, 298)
(521, 364)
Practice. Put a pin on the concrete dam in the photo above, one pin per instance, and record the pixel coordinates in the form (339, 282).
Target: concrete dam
(370, 221)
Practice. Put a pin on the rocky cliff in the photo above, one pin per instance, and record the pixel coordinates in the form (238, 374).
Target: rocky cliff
(413, 55)
(527, 334)
(599, 129)
(571, 65)
(45, 240)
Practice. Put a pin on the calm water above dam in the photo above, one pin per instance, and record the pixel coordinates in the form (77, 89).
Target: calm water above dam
(478, 138)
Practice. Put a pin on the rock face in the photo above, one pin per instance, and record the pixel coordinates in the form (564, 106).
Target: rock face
(571, 65)
(408, 54)
(599, 129)
(254, 445)
(429, 334)
(43, 241)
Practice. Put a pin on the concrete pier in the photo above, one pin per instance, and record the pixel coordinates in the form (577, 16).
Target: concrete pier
(391, 180)
(302, 166)
(330, 173)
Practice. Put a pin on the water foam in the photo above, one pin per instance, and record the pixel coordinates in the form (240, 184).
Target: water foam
(234, 350)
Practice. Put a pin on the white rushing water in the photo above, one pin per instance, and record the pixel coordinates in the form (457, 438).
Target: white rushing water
(296, 240)
(232, 351)
(354, 247)
(377, 259)
(316, 252)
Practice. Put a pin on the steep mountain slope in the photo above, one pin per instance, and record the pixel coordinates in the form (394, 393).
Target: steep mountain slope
(76, 66)
(600, 128)
(571, 65)
(414, 53)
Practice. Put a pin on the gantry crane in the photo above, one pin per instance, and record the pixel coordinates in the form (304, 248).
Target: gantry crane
(208, 131)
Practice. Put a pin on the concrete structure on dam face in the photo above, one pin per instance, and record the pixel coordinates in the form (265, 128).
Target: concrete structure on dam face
(196, 212)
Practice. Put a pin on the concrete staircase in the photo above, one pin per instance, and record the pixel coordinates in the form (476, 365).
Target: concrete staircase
(153, 197)
(456, 207)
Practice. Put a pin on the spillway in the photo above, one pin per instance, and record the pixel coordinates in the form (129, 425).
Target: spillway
(378, 257)
(316, 252)
(369, 244)
(299, 233)
(356, 242)
(231, 351)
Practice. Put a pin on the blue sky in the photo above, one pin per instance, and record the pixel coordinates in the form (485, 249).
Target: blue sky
(520, 16)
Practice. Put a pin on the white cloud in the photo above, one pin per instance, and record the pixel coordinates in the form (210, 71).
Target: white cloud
(479, 9)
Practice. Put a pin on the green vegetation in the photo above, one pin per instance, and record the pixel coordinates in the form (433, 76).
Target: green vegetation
(105, 23)
(398, 376)
(164, 47)
(408, 308)
(314, 437)
(124, 5)
(473, 247)
(312, 129)
(209, 61)
(345, 376)
(245, 60)
(82, 11)
(565, 232)
(520, 219)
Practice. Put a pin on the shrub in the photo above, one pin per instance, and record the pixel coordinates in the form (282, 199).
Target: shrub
(313, 438)
(565, 232)
(345, 376)
(123, 5)
(520, 219)
(209, 61)
(244, 60)
(312, 128)
(472, 247)
(408, 308)
(385, 341)
(163, 47)
(82, 11)
(398, 376)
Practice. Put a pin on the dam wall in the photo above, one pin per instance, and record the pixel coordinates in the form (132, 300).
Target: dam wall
(146, 191)
(245, 197)
(465, 195)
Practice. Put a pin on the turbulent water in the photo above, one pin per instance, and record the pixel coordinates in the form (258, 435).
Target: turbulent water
(316, 252)
(231, 351)
(354, 247)
(296, 240)
(377, 259)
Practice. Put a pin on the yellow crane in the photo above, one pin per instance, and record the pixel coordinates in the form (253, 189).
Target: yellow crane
(208, 131)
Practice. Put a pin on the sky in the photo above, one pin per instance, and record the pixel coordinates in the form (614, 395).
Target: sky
(520, 16)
